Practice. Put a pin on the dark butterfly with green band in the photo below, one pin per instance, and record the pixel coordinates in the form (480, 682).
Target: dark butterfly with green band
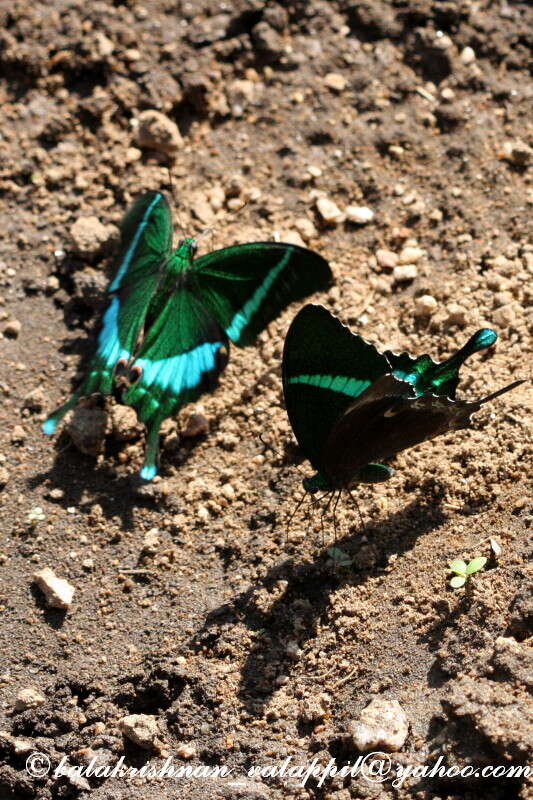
(351, 406)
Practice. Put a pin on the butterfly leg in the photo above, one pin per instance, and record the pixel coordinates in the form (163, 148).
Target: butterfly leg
(298, 504)
(356, 504)
(334, 515)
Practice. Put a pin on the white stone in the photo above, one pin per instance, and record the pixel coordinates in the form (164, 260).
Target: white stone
(425, 305)
(382, 725)
(361, 215)
(29, 698)
(335, 82)
(58, 592)
(329, 211)
(141, 729)
(386, 258)
(405, 272)
(468, 56)
(410, 255)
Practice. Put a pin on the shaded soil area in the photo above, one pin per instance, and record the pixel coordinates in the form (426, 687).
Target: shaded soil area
(194, 602)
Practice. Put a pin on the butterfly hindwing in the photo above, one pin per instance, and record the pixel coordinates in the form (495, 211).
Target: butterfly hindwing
(248, 285)
(119, 331)
(386, 419)
(325, 367)
(182, 356)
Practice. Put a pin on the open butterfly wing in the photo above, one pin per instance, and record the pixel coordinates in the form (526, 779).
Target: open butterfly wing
(145, 240)
(247, 286)
(182, 356)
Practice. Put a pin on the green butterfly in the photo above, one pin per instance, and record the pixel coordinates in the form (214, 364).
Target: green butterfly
(171, 316)
(351, 406)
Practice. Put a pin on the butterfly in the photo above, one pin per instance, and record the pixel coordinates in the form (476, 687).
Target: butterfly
(351, 406)
(171, 316)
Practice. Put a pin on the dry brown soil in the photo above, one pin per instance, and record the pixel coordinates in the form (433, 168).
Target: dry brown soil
(239, 638)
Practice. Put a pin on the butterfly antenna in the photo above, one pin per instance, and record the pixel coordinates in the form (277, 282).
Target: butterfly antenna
(175, 200)
(505, 389)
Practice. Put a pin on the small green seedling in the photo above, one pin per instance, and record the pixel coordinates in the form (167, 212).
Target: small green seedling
(463, 570)
(339, 557)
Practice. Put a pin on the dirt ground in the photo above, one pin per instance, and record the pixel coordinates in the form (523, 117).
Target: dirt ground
(193, 604)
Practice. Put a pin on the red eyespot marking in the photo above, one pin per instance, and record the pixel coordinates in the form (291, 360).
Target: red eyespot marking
(135, 374)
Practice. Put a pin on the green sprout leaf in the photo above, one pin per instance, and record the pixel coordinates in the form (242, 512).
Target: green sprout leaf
(458, 566)
(475, 565)
(339, 556)
(457, 581)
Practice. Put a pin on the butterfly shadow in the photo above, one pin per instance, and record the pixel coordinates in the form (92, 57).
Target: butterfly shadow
(281, 631)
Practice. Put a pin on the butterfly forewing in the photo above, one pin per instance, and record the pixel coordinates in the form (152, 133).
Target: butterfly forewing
(325, 367)
(145, 240)
(248, 285)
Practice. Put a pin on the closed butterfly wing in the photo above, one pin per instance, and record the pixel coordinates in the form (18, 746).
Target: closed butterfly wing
(247, 286)
(146, 237)
(325, 368)
(386, 419)
(414, 402)
(181, 357)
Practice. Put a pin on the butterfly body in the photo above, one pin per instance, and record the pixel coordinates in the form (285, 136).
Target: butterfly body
(171, 316)
(352, 407)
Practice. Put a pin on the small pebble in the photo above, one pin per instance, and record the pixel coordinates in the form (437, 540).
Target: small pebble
(386, 259)
(186, 751)
(361, 215)
(467, 56)
(197, 425)
(141, 729)
(57, 591)
(410, 255)
(517, 152)
(457, 315)
(29, 698)
(381, 725)
(306, 228)
(228, 491)
(157, 132)
(124, 423)
(12, 328)
(405, 272)
(335, 82)
(329, 211)
(4, 477)
(425, 305)
(18, 435)
(87, 429)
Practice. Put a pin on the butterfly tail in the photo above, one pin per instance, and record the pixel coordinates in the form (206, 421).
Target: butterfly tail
(52, 421)
(149, 469)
